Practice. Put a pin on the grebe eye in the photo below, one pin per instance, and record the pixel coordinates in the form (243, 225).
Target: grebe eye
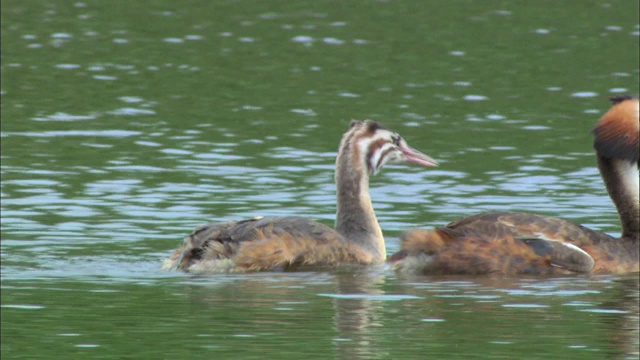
(396, 140)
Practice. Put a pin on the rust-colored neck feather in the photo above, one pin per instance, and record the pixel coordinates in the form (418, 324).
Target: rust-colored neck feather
(616, 144)
(355, 218)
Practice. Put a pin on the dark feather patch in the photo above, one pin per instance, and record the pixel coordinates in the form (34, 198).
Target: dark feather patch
(354, 123)
(561, 254)
(540, 247)
(618, 99)
(373, 126)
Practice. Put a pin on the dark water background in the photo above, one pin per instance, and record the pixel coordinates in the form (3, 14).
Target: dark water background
(127, 123)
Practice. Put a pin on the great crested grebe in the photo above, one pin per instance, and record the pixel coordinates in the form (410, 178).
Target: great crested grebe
(522, 243)
(289, 242)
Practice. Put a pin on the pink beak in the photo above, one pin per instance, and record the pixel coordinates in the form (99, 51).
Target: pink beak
(416, 157)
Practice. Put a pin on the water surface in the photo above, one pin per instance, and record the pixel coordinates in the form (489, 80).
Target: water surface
(125, 125)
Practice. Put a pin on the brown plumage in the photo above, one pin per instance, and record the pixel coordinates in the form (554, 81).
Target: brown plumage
(523, 243)
(616, 134)
(291, 242)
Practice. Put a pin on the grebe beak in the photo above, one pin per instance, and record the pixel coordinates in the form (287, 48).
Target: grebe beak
(416, 157)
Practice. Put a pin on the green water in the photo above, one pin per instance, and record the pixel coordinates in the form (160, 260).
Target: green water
(127, 124)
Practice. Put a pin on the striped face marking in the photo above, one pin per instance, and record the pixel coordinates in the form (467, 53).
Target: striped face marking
(379, 146)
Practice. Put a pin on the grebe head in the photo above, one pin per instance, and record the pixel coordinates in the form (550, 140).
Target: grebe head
(616, 134)
(376, 146)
